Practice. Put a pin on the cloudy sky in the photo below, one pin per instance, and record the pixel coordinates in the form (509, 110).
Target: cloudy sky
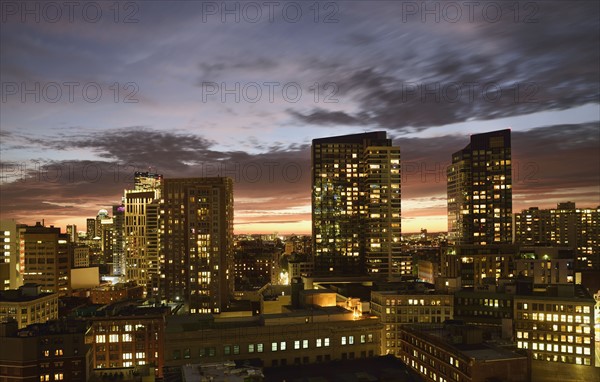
(95, 91)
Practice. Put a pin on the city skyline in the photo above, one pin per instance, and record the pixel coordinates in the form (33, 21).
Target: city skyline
(195, 109)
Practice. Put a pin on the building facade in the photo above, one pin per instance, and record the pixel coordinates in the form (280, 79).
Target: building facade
(396, 308)
(55, 351)
(356, 207)
(556, 325)
(480, 191)
(457, 353)
(140, 224)
(10, 262)
(563, 226)
(47, 260)
(196, 233)
(296, 338)
(27, 305)
(129, 337)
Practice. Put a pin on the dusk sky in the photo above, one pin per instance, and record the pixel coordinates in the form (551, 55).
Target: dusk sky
(170, 72)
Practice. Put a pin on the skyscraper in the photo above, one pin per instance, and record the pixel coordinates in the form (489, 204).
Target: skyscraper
(196, 240)
(480, 191)
(356, 206)
(141, 261)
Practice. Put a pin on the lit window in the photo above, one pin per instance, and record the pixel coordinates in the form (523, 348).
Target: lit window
(344, 340)
(274, 346)
(326, 342)
(296, 344)
(304, 344)
(319, 342)
(100, 338)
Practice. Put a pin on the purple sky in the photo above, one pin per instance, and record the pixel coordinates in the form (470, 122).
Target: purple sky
(241, 88)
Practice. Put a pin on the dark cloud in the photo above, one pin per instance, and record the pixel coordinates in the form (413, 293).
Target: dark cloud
(475, 71)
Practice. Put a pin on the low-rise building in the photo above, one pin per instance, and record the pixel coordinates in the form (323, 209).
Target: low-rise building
(28, 305)
(55, 351)
(108, 294)
(126, 336)
(401, 307)
(451, 352)
(299, 336)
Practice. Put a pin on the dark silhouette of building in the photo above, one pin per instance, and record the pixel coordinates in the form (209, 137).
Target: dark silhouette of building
(197, 242)
(480, 191)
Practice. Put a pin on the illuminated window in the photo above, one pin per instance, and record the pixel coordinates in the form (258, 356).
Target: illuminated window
(100, 338)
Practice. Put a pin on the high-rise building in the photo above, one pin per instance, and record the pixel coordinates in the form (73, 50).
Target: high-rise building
(47, 261)
(142, 265)
(563, 226)
(118, 248)
(356, 206)
(90, 224)
(480, 191)
(197, 242)
(72, 232)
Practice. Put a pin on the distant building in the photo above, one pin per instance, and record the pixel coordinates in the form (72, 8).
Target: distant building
(356, 211)
(46, 257)
(55, 351)
(141, 230)
(563, 226)
(81, 256)
(478, 264)
(197, 243)
(108, 294)
(444, 353)
(397, 308)
(27, 305)
(11, 262)
(118, 248)
(480, 191)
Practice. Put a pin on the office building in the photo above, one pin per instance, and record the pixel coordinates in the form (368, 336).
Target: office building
(402, 307)
(556, 324)
(197, 243)
(356, 208)
(28, 305)
(47, 258)
(297, 337)
(480, 191)
(454, 352)
(141, 221)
